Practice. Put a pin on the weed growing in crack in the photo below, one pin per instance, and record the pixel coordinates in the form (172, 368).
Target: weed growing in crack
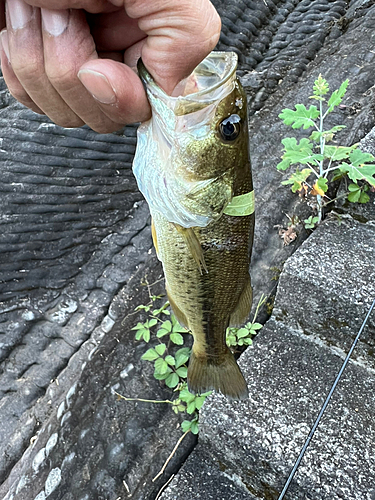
(170, 365)
(324, 163)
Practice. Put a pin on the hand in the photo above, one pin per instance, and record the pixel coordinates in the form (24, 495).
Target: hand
(77, 64)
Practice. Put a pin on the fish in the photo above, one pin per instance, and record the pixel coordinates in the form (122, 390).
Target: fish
(192, 165)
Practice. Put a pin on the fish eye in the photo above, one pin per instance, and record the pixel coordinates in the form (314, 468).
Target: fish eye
(229, 128)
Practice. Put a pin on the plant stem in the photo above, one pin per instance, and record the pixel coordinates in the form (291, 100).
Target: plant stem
(321, 170)
(143, 400)
(261, 301)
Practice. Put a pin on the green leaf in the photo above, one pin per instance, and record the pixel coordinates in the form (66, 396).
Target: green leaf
(140, 334)
(256, 326)
(357, 172)
(322, 184)
(186, 396)
(177, 338)
(364, 198)
(194, 427)
(301, 152)
(337, 96)
(161, 333)
(146, 336)
(354, 196)
(186, 425)
(327, 134)
(302, 117)
(182, 372)
(298, 178)
(142, 307)
(176, 327)
(150, 355)
(242, 332)
(162, 376)
(191, 407)
(161, 366)
(139, 326)
(357, 194)
(160, 349)
(336, 153)
(182, 356)
(162, 309)
(247, 341)
(166, 325)
(152, 322)
(310, 222)
(170, 360)
(172, 380)
(358, 157)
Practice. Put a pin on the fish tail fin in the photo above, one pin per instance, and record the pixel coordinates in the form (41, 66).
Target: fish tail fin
(224, 377)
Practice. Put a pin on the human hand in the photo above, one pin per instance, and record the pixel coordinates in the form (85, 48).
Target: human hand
(77, 64)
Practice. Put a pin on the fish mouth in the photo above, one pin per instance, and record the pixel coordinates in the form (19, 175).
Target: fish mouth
(213, 78)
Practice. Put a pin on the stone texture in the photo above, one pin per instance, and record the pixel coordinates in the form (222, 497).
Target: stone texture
(289, 373)
(72, 227)
(204, 477)
(335, 270)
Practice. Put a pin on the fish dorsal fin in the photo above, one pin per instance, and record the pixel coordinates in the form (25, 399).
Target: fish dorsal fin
(242, 311)
(194, 246)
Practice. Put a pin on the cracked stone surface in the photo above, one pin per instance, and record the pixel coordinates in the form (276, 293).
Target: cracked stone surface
(75, 231)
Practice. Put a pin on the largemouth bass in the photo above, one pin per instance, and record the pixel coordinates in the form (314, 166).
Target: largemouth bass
(192, 165)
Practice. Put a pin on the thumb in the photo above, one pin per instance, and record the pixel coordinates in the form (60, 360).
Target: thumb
(118, 91)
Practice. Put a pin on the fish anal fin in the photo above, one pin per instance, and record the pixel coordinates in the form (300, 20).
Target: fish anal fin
(194, 246)
(154, 237)
(225, 377)
(181, 318)
(242, 310)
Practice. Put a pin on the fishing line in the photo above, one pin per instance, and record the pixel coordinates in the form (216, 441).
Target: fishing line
(325, 404)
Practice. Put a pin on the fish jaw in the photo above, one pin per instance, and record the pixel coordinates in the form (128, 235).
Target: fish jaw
(167, 163)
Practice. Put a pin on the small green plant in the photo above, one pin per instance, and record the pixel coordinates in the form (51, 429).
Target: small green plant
(243, 336)
(170, 365)
(320, 159)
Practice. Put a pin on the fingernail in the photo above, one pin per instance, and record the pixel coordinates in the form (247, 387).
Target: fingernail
(98, 86)
(20, 13)
(55, 22)
(4, 43)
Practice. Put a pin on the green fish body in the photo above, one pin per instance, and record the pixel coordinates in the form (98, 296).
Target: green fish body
(192, 164)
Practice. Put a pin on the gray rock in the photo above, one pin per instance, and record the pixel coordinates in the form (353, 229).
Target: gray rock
(289, 371)
(204, 477)
(328, 285)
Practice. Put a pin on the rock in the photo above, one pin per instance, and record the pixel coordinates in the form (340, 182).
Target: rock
(290, 370)
(334, 271)
(204, 477)
(93, 444)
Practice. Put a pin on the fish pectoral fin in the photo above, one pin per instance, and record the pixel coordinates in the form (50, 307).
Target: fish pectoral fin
(225, 376)
(181, 318)
(154, 237)
(194, 246)
(242, 310)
